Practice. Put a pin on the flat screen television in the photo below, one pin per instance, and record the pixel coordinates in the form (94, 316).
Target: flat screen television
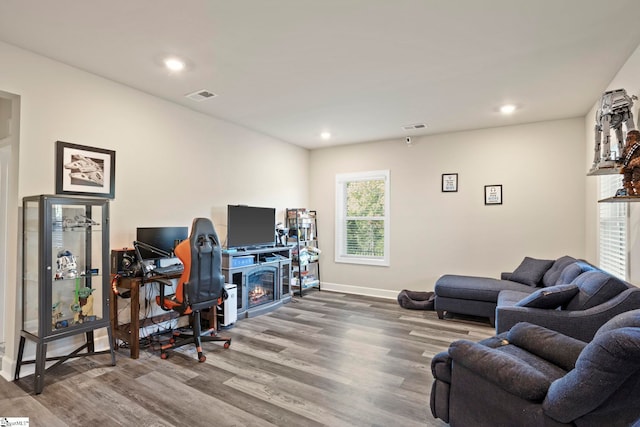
(163, 238)
(250, 226)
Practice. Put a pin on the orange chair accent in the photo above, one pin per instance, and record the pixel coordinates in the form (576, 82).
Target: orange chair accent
(200, 287)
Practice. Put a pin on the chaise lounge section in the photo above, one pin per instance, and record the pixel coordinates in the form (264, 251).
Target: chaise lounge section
(478, 296)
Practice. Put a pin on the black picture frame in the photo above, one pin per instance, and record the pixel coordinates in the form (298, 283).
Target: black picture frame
(449, 182)
(493, 194)
(85, 171)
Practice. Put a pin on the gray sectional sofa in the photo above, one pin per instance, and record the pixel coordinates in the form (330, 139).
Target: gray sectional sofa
(567, 295)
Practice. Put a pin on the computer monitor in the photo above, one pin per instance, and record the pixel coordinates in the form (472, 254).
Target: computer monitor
(164, 238)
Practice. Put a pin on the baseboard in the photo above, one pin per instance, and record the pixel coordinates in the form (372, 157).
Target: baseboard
(360, 290)
(8, 368)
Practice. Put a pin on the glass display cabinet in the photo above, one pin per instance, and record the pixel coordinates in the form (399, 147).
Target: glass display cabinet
(65, 277)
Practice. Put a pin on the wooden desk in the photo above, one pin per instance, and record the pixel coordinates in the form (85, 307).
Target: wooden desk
(130, 332)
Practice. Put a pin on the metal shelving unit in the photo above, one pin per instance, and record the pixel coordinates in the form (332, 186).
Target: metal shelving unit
(303, 237)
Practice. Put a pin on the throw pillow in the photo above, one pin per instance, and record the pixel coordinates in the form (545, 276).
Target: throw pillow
(531, 270)
(573, 270)
(596, 287)
(551, 297)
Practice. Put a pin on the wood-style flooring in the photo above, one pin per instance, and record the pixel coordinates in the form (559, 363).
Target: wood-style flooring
(325, 359)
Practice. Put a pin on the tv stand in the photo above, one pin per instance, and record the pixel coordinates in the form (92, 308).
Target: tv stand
(262, 276)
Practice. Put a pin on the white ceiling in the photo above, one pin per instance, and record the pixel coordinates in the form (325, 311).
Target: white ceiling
(361, 69)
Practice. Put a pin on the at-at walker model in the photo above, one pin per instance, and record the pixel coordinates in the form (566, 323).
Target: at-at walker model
(614, 110)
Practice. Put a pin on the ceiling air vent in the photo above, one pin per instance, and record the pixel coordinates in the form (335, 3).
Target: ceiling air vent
(416, 126)
(201, 95)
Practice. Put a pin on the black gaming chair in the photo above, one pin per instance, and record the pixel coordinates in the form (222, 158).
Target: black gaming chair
(200, 287)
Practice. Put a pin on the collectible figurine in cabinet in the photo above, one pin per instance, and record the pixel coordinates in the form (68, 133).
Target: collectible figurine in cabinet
(82, 307)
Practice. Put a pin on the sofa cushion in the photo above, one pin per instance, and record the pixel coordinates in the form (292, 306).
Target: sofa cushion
(502, 369)
(531, 271)
(552, 346)
(551, 297)
(602, 368)
(551, 276)
(573, 270)
(511, 298)
(596, 287)
(475, 288)
(622, 320)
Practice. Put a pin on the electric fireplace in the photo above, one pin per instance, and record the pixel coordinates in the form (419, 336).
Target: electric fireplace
(261, 286)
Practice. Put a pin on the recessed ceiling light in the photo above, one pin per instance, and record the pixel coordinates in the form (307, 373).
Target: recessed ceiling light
(507, 109)
(325, 135)
(174, 64)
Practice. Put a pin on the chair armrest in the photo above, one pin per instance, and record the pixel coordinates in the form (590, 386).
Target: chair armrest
(500, 368)
(557, 348)
(161, 297)
(579, 324)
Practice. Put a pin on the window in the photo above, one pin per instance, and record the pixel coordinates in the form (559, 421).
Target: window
(362, 218)
(612, 245)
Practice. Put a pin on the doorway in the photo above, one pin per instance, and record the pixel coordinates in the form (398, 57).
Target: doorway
(9, 137)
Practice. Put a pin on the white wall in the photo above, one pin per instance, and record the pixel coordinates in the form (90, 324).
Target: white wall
(540, 166)
(172, 164)
(627, 78)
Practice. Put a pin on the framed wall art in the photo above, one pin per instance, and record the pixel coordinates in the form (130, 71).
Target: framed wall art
(493, 194)
(86, 171)
(449, 182)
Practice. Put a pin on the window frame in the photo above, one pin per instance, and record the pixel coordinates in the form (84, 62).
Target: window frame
(341, 219)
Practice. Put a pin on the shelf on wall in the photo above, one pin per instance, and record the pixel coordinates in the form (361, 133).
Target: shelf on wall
(620, 199)
(614, 170)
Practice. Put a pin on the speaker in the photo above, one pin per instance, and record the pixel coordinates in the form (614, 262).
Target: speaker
(123, 261)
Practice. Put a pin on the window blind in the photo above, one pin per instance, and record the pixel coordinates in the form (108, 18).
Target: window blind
(613, 228)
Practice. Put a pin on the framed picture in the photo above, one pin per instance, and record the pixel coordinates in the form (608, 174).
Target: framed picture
(86, 171)
(493, 194)
(449, 182)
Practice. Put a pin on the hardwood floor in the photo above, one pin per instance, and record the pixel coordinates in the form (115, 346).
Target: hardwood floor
(326, 359)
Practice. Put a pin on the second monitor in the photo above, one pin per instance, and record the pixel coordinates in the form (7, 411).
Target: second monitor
(163, 238)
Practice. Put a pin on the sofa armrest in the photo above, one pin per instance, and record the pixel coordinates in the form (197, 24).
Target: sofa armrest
(441, 367)
(579, 324)
(505, 275)
(502, 369)
(552, 346)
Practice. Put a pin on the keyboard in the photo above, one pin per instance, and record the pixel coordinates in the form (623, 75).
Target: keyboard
(169, 269)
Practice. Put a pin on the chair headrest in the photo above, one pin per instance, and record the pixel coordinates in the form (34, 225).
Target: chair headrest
(622, 320)
(202, 226)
